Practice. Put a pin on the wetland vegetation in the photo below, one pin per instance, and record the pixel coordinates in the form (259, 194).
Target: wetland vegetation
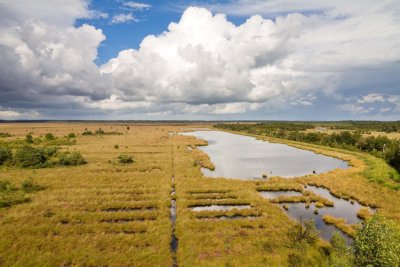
(82, 205)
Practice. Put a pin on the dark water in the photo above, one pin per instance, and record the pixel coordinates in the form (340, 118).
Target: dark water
(174, 240)
(243, 157)
(341, 209)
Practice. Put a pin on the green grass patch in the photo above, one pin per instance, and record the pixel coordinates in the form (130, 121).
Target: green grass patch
(11, 195)
(380, 172)
(125, 159)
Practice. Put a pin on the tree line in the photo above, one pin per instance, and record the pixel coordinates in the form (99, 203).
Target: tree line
(379, 146)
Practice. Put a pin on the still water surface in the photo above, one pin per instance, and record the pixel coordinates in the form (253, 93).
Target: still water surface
(342, 209)
(244, 157)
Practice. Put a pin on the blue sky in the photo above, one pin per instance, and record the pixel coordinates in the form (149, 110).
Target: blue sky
(121, 36)
(200, 60)
(150, 21)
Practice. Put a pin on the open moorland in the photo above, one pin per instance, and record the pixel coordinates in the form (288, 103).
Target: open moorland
(125, 194)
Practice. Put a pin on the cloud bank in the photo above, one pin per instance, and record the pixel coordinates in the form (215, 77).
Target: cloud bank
(204, 65)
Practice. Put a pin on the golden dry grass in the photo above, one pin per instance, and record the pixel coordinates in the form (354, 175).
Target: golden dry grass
(364, 214)
(392, 135)
(70, 223)
(107, 213)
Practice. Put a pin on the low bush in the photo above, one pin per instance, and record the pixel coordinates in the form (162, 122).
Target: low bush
(71, 159)
(47, 155)
(28, 156)
(71, 135)
(50, 151)
(4, 135)
(29, 138)
(125, 159)
(304, 233)
(49, 137)
(5, 154)
(340, 255)
(87, 132)
(6, 186)
(29, 186)
(99, 132)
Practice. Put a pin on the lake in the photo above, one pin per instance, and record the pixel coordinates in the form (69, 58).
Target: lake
(244, 157)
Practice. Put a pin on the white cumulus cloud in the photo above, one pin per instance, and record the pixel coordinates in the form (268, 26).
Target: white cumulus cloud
(204, 59)
(205, 64)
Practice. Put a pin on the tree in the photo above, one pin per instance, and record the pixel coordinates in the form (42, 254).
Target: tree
(377, 243)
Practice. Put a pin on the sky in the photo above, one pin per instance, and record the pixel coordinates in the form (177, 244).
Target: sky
(200, 60)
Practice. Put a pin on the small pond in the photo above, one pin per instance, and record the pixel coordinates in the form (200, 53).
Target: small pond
(220, 207)
(275, 194)
(243, 157)
(342, 209)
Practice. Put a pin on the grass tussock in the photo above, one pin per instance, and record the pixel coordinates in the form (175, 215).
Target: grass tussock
(364, 214)
(307, 197)
(341, 224)
(279, 184)
(202, 160)
(228, 214)
(208, 191)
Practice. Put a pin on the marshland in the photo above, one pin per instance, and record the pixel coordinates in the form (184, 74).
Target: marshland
(197, 194)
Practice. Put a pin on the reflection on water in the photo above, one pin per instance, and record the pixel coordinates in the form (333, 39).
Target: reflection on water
(220, 207)
(275, 194)
(228, 218)
(238, 156)
(299, 211)
(342, 209)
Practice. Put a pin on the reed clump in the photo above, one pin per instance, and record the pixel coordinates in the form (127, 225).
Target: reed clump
(341, 224)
